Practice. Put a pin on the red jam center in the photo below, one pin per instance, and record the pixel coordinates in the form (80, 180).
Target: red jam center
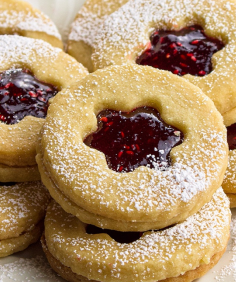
(186, 51)
(137, 138)
(231, 136)
(21, 94)
(121, 237)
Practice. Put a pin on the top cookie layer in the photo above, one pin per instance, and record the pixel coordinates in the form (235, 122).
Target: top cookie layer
(19, 17)
(129, 200)
(125, 34)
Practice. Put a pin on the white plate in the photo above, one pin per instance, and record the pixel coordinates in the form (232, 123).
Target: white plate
(31, 265)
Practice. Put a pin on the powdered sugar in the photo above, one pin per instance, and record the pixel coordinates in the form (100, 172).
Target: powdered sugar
(27, 19)
(15, 48)
(141, 193)
(205, 231)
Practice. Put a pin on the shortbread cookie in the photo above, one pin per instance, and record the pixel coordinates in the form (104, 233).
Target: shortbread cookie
(143, 27)
(19, 17)
(127, 187)
(229, 183)
(22, 210)
(180, 253)
(45, 70)
(85, 26)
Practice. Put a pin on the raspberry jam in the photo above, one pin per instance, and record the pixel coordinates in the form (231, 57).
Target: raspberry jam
(21, 94)
(231, 136)
(186, 51)
(121, 237)
(137, 138)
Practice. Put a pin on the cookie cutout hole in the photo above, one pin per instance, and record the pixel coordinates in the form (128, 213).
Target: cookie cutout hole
(231, 136)
(133, 139)
(22, 94)
(186, 51)
(118, 236)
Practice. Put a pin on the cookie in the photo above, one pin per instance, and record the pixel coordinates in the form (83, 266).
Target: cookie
(146, 28)
(183, 252)
(45, 70)
(229, 182)
(85, 26)
(23, 207)
(19, 17)
(163, 185)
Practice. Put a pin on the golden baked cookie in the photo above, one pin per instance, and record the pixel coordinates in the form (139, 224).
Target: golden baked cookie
(229, 182)
(19, 17)
(45, 70)
(141, 27)
(85, 26)
(164, 185)
(22, 210)
(182, 252)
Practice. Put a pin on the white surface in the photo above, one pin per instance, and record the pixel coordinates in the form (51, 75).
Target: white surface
(30, 265)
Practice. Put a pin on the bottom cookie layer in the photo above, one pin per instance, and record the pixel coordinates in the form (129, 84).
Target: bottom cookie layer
(66, 273)
(19, 174)
(20, 243)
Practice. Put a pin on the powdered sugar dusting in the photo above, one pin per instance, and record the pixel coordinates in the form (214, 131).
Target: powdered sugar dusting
(125, 34)
(229, 271)
(206, 231)
(28, 270)
(141, 192)
(15, 48)
(28, 19)
(22, 207)
(90, 18)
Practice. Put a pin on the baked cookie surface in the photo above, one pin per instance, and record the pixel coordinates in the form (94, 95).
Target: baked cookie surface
(19, 17)
(85, 26)
(125, 34)
(78, 176)
(179, 252)
(49, 65)
(22, 211)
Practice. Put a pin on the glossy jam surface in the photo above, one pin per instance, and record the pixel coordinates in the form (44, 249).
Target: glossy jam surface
(231, 136)
(186, 51)
(21, 94)
(121, 237)
(137, 138)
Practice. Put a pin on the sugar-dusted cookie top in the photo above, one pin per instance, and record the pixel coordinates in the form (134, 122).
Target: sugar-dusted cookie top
(85, 27)
(152, 256)
(29, 59)
(78, 176)
(23, 207)
(126, 34)
(19, 17)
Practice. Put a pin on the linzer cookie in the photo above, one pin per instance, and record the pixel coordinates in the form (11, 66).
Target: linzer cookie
(23, 207)
(193, 39)
(19, 17)
(229, 183)
(139, 149)
(31, 72)
(85, 26)
(184, 252)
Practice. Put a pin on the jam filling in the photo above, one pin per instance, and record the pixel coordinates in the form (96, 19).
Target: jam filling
(21, 94)
(186, 51)
(120, 237)
(133, 139)
(231, 136)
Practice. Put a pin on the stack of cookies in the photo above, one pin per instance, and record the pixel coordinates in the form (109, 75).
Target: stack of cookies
(135, 168)
(133, 154)
(32, 72)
